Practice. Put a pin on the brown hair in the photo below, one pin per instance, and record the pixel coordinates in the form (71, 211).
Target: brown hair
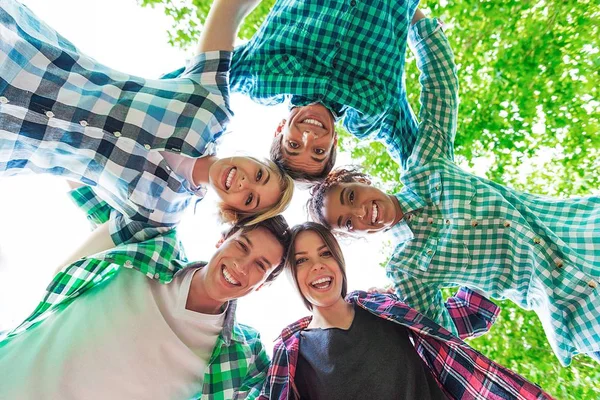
(276, 155)
(319, 191)
(331, 243)
(279, 228)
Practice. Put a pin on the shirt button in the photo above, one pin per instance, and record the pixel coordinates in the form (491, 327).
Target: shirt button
(593, 284)
(429, 252)
(128, 263)
(117, 134)
(559, 264)
(338, 44)
(49, 114)
(156, 275)
(537, 240)
(474, 223)
(506, 224)
(447, 222)
(285, 58)
(83, 123)
(437, 187)
(430, 220)
(3, 100)
(147, 146)
(353, 3)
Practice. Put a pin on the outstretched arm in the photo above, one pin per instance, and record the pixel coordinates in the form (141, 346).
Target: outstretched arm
(222, 24)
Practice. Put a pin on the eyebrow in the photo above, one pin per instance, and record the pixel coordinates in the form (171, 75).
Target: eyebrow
(289, 153)
(268, 177)
(244, 236)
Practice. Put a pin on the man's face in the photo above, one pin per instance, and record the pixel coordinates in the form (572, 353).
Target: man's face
(245, 184)
(307, 138)
(242, 264)
(358, 207)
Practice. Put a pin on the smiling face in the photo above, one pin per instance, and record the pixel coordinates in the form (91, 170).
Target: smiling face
(245, 184)
(360, 208)
(242, 264)
(318, 274)
(307, 138)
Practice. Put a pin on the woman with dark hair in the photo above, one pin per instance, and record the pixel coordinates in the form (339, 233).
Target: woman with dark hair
(373, 346)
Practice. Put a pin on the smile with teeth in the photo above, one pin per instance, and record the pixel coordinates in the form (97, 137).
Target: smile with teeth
(322, 283)
(312, 121)
(374, 213)
(230, 177)
(229, 278)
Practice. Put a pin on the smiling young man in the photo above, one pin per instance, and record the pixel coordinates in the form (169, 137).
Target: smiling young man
(137, 321)
(329, 60)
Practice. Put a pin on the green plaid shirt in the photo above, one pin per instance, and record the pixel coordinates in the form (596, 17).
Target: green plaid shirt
(462, 230)
(238, 364)
(348, 55)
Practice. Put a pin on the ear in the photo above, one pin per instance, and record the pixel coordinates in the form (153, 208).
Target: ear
(280, 127)
(335, 139)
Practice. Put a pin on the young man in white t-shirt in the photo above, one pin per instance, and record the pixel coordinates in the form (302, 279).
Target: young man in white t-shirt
(137, 322)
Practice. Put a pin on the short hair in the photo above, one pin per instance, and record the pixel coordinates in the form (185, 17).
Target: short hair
(319, 191)
(331, 243)
(277, 157)
(236, 217)
(278, 227)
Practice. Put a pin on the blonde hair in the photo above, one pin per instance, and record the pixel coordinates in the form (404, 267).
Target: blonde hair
(286, 184)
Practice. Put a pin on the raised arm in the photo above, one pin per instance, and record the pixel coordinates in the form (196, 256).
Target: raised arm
(222, 24)
(439, 91)
(466, 314)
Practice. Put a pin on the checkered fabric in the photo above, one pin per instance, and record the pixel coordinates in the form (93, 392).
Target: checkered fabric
(65, 114)
(348, 55)
(460, 371)
(462, 230)
(238, 364)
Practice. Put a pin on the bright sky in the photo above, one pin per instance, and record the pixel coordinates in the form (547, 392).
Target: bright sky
(39, 226)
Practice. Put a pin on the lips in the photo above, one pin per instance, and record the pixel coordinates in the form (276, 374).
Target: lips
(228, 177)
(228, 277)
(323, 283)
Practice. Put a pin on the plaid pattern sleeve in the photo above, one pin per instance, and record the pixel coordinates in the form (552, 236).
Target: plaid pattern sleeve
(439, 93)
(256, 375)
(467, 314)
(97, 211)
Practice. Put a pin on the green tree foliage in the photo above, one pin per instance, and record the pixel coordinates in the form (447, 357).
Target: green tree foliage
(529, 73)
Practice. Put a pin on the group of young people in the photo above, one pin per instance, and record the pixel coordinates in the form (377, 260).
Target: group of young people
(130, 317)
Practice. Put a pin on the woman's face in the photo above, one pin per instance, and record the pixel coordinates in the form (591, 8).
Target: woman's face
(359, 208)
(245, 184)
(317, 272)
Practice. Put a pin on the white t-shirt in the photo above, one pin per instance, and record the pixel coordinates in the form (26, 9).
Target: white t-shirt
(129, 338)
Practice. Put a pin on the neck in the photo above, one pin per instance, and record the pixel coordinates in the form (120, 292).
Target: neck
(338, 315)
(201, 166)
(198, 299)
(397, 209)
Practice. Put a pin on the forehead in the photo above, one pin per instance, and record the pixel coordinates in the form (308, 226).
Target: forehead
(308, 240)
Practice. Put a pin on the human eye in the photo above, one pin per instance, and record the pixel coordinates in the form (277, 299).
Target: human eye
(320, 152)
(351, 196)
(259, 175)
(261, 266)
(326, 254)
(293, 144)
(348, 225)
(242, 246)
(249, 199)
(300, 260)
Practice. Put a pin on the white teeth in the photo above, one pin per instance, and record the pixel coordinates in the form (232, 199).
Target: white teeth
(312, 122)
(321, 280)
(374, 213)
(230, 177)
(229, 278)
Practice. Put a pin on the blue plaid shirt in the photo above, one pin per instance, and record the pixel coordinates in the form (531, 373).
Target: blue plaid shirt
(348, 55)
(65, 114)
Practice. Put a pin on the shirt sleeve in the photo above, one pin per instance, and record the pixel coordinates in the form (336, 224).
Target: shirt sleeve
(96, 210)
(439, 92)
(257, 374)
(467, 314)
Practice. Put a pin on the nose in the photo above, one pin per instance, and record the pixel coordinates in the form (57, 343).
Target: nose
(239, 266)
(359, 212)
(243, 182)
(317, 266)
(308, 136)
